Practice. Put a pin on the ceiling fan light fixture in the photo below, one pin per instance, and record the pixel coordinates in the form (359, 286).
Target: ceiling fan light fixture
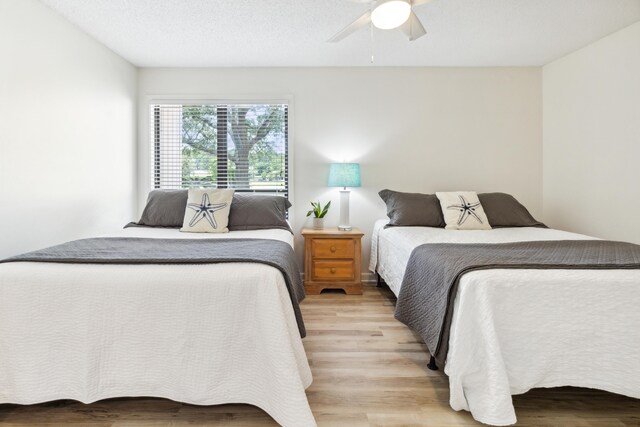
(390, 14)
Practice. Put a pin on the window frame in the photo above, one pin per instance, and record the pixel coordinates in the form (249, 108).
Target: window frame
(145, 155)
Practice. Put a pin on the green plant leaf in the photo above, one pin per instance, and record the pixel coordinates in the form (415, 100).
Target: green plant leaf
(325, 210)
(318, 211)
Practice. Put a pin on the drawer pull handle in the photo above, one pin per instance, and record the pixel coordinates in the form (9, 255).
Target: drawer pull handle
(333, 248)
(333, 269)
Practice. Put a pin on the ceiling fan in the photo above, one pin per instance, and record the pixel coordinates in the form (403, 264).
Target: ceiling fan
(386, 15)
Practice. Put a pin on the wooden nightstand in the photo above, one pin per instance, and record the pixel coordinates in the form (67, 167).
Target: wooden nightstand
(332, 260)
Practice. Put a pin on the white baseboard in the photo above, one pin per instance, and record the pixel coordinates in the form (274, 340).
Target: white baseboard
(368, 277)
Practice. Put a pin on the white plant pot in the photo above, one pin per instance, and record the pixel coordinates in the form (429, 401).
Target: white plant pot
(318, 223)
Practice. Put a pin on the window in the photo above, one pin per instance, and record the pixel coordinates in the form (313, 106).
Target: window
(240, 146)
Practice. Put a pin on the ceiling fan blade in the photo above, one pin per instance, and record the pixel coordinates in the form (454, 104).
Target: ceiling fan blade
(359, 23)
(420, 2)
(413, 28)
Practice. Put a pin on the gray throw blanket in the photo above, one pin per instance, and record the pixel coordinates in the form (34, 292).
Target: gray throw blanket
(431, 279)
(130, 250)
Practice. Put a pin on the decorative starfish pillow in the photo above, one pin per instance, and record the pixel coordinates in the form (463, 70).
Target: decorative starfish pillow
(462, 211)
(207, 211)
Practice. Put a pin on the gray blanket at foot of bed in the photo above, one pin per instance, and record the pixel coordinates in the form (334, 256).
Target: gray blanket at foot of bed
(431, 279)
(131, 250)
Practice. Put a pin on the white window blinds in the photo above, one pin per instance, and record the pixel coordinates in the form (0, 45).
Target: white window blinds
(240, 146)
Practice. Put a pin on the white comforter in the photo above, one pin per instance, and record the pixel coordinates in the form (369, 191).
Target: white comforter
(514, 330)
(204, 334)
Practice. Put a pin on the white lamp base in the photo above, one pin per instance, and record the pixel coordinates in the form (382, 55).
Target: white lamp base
(344, 211)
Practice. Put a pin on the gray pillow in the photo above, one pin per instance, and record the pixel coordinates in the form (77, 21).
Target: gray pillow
(412, 209)
(165, 208)
(503, 210)
(257, 212)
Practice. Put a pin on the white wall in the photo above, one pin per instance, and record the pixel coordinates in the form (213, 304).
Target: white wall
(67, 131)
(592, 138)
(412, 129)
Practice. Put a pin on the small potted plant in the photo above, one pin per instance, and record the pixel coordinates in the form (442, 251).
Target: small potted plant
(318, 213)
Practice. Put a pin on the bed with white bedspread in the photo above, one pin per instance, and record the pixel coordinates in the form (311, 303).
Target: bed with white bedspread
(513, 330)
(204, 334)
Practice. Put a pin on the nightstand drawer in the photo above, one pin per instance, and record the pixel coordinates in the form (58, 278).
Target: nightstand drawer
(333, 248)
(333, 270)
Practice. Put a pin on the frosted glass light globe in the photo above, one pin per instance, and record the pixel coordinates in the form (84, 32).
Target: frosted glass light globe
(390, 14)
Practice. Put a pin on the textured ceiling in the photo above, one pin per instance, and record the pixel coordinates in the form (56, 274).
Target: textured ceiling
(202, 33)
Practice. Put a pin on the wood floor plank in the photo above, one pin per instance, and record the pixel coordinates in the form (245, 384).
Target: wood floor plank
(369, 370)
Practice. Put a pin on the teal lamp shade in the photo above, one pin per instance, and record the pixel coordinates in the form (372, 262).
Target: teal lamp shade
(344, 175)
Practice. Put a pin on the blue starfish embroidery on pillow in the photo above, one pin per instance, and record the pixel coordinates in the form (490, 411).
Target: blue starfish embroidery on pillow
(466, 210)
(205, 210)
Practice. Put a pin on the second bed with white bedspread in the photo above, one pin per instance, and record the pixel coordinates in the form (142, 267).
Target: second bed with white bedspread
(514, 330)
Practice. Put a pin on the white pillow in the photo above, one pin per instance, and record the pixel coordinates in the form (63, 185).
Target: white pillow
(207, 211)
(462, 211)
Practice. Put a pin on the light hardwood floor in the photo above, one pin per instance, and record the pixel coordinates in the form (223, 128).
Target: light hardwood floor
(369, 370)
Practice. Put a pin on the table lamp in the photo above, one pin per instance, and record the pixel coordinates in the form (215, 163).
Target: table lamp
(344, 175)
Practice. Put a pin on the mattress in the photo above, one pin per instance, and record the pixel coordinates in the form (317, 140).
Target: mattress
(391, 247)
(202, 334)
(174, 233)
(514, 330)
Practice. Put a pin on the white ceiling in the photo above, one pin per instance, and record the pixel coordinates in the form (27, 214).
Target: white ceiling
(212, 33)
